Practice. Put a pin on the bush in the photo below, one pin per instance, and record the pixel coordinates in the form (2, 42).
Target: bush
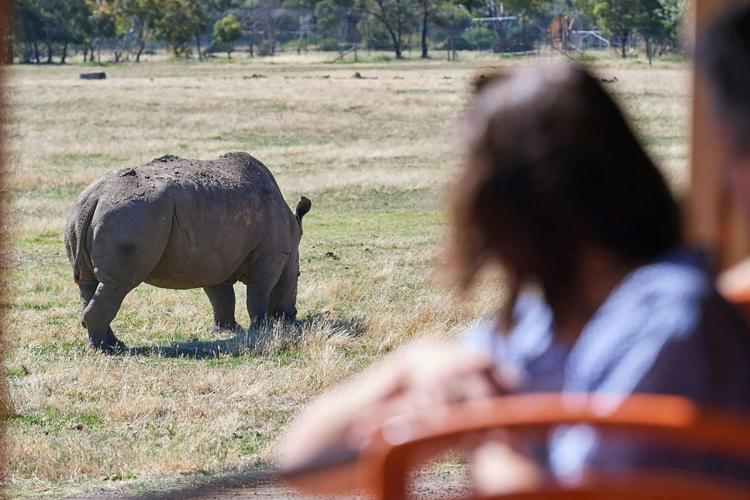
(477, 37)
(459, 43)
(266, 48)
(227, 30)
(328, 45)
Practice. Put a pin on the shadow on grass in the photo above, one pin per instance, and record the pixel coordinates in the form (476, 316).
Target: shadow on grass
(217, 486)
(267, 338)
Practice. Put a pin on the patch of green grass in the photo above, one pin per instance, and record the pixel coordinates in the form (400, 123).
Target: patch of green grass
(377, 199)
(16, 372)
(66, 192)
(71, 162)
(249, 441)
(52, 420)
(42, 238)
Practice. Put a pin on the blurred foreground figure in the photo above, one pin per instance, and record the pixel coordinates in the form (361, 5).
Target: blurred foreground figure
(723, 55)
(603, 298)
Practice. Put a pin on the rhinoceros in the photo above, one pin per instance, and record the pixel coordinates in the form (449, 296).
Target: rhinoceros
(178, 223)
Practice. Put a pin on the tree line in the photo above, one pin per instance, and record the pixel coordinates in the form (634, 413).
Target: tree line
(46, 31)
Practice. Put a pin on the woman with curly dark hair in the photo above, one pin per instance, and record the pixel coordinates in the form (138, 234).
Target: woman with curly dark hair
(603, 297)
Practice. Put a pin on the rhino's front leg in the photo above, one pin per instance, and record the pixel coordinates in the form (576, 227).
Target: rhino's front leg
(262, 278)
(222, 301)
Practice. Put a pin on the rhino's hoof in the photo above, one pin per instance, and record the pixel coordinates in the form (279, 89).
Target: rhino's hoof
(118, 347)
(218, 328)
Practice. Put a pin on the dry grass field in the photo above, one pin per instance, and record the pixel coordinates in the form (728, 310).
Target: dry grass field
(374, 154)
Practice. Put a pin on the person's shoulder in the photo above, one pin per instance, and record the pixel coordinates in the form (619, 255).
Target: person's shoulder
(682, 274)
(532, 319)
(665, 297)
(676, 298)
(661, 332)
(656, 307)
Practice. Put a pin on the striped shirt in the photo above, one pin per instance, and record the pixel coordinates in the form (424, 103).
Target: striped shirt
(664, 329)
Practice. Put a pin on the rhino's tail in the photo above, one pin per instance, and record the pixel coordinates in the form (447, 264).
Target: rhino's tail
(80, 231)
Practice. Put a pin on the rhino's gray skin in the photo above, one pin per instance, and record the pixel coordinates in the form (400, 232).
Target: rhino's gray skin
(177, 223)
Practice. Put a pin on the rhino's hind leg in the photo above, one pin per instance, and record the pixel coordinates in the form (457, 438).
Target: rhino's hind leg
(223, 302)
(99, 313)
(86, 290)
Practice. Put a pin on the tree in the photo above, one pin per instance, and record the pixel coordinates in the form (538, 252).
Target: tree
(142, 15)
(338, 19)
(102, 25)
(397, 17)
(618, 18)
(30, 29)
(310, 7)
(227, 30)
(530, 9)
(659, 23)
(267, 17)
(427, 10)
(179, 23)
(51, 22)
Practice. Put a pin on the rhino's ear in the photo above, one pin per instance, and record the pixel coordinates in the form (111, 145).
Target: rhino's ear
(303, 207)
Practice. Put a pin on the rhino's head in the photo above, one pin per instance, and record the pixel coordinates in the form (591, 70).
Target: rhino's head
(284, 295)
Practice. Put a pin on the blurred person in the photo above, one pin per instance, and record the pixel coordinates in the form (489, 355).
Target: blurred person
(723, 56)
(603, 297)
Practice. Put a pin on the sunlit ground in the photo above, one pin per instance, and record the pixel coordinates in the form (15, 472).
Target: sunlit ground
(375, 155)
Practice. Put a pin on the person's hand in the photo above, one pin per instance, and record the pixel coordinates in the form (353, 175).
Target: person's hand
(421, 377)
(437, 374)
(424, 376)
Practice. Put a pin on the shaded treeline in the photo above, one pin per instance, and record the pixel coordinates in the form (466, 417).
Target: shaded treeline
(47, 31)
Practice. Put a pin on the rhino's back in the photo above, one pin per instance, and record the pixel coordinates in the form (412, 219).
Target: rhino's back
(170, 175)
(220, 210)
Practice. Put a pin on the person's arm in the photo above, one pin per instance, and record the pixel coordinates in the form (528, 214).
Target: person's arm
(339, 423)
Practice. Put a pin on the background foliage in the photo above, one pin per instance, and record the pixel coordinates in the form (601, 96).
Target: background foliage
(46, 30)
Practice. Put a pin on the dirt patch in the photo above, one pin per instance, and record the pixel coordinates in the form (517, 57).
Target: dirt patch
(432, 482)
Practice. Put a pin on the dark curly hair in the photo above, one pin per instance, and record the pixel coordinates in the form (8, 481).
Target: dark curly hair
(551, 164)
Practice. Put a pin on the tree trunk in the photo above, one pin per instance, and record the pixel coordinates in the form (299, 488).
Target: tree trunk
(48, 42)
(351, 27)
(425, 18)
(85, 54)
(383, 19)
(141, 48)
(649, 50)
(36, 52)
(198, 45)
(64, 53)
(270, 33)
(623, 44)
(396, 43)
